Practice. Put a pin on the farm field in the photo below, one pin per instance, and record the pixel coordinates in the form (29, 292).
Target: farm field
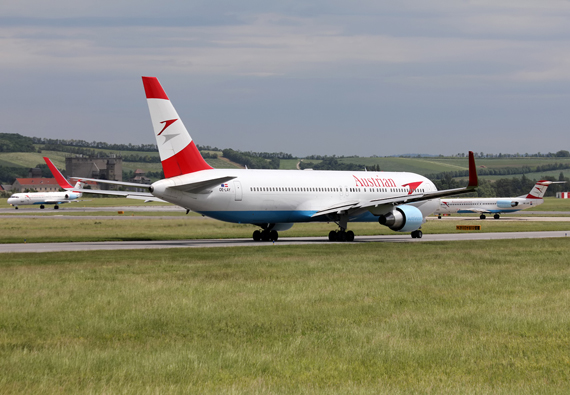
(424, 165)
(32, 159)
(432, 165)
(442, 317)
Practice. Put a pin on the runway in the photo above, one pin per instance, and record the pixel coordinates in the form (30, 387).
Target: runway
(209, 243)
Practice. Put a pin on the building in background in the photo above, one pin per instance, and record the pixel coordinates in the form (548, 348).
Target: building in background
(93, 167)
(563, 195)
(35, 184)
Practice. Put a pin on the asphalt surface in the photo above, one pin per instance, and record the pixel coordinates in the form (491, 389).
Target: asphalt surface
(137, 245)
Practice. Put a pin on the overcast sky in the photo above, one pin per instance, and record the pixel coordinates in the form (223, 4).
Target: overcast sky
(305, 77)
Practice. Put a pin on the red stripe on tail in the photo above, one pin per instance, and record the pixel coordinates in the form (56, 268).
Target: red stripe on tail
(186, 161)
(56, 173)
(153, 89)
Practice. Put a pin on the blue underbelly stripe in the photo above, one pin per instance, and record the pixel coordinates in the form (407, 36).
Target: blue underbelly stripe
(262, 216)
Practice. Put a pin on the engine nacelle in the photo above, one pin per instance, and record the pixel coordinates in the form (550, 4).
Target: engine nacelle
(404, 218)
(72, 195)
(507, 203)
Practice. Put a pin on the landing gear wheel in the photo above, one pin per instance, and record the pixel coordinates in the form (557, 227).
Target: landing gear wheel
(496, 216)
(42, 207)
(265, 235)
(332, 235)
(439, 216)
(16, 207)
(350, 235)
(417, 234)
(273, 235)
(482, 216)
(256, 235)
(56, 207)
(341, 235)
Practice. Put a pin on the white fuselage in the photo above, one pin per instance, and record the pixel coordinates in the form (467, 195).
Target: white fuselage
(486, 205)
(288, 196)
(27, 198)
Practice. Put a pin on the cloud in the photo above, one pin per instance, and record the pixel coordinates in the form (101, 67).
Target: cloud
(309, 70)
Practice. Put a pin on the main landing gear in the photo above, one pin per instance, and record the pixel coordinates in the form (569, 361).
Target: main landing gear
(341, 235)
(265, 235)
(496, 216)
(417, 234)
(42, 206)
(56, 207)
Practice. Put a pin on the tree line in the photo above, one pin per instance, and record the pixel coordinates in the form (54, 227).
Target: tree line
(96, 144)
(502, 171)
(14, 142)
(252, 162)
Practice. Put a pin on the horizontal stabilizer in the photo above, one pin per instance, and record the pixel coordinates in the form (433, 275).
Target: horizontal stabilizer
(197, 186)
(127, 184)
(130, 194)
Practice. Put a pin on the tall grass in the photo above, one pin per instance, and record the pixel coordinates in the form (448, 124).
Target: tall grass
(473, 317)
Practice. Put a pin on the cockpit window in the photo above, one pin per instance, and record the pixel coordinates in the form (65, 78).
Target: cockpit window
(14, 197)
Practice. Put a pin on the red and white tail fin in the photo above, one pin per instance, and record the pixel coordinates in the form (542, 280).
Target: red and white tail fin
(539, 189)
(62, 182)
(178, 153)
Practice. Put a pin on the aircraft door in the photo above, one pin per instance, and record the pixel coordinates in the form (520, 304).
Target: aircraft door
(239, 192)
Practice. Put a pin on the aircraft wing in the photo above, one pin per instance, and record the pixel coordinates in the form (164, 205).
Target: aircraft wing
(414, 197)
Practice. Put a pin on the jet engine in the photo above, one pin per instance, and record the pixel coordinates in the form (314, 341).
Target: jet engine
(506, 203)
(404, 218)
(71, 195)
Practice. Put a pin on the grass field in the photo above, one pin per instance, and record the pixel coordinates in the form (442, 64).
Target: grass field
(476, 317)
(59, 229)
(550, 204)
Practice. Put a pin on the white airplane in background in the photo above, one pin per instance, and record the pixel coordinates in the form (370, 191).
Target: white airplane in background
(496, 206)
(274, 200)
(42, 198)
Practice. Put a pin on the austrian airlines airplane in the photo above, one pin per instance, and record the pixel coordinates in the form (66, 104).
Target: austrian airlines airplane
(496, 205)
(42, 198)
(274, 200)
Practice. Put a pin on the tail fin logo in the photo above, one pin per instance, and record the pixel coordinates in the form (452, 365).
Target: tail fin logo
(167, 124)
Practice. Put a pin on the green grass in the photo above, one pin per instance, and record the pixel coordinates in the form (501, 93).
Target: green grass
(182, 227)
(475, 317)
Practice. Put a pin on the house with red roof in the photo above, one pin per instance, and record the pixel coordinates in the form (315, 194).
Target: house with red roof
(36, 184)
